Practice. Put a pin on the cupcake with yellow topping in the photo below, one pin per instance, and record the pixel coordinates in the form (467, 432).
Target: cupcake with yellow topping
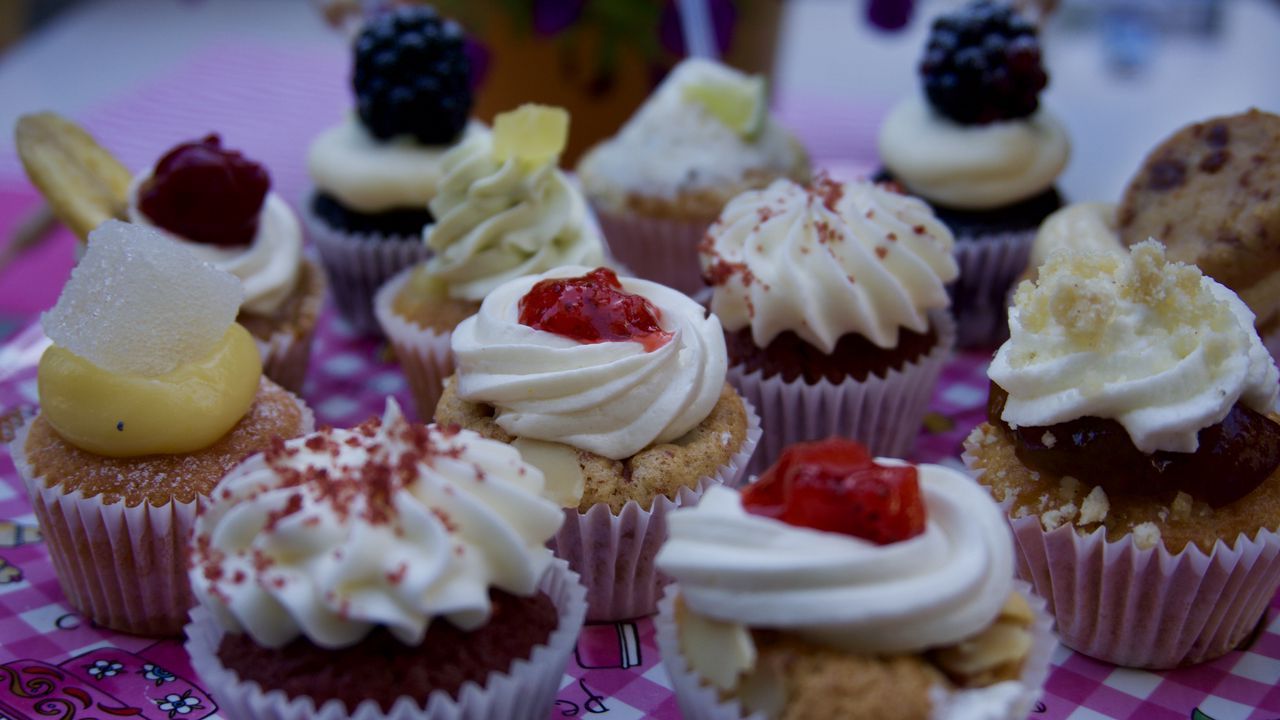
(392, 569)
(834, 306)
(703, 137)
(838, 585)
(149, 394)
(504, 210)
(1132, 439)
(616, 388)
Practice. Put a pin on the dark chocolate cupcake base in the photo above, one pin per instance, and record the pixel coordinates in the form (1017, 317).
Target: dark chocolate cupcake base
(392, 224)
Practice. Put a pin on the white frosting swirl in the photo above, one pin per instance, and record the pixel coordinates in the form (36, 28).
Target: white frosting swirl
(673, 146)
(392, 524)
(500, 220)
(1154, 345)
(371, 175)
(972, 167)
(827, 261)
(934, 589)
(610, 398)
(268, 268)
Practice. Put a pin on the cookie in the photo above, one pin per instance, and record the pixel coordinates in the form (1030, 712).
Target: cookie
(1211, 194)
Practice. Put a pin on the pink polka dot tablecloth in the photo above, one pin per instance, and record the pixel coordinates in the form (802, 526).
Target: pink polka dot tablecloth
(54, 663)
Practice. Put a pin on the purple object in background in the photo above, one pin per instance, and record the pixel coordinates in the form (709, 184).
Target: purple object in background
(889, 14)
(552, 16)
(723, 18)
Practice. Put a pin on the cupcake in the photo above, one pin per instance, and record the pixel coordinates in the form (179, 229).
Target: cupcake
(841, 586)
(389, 570)
(980, 149)
(1132, 440)
(375, 172)
(833, 303)
(149, 394)
(704, 137)
(212, 201)
(615, 388)
(504, 210)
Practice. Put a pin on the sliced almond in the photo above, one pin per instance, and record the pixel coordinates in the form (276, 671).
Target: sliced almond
(84, 184)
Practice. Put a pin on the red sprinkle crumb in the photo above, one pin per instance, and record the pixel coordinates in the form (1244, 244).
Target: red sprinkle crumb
(396, 576)
(919, 229)
(881, 252)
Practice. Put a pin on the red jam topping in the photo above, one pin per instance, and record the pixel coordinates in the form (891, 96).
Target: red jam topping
(592, 308)
(204, 193)
(833, 485)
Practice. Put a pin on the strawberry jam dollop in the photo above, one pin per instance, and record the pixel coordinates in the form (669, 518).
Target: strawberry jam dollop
(834, 485)
(592, 308)
(204, 193)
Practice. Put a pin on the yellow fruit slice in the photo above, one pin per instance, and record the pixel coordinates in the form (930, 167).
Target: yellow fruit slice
(738, 101)
(531, 133)
(84, 184)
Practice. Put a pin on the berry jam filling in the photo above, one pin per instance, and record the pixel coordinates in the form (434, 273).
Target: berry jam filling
(834, 485)
(1233, 457)
(204, 193)
(593, 308)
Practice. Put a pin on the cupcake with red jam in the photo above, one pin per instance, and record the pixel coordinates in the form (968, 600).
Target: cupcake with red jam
(1132, 439)
(218, 204)
(841, 586)
(504, 210)
(375, 173)
(389, 570)
(977, 145)
(149, 394)
(833, 302)
(616, 388)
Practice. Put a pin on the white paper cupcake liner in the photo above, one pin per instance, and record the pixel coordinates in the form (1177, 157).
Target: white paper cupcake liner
(883, 413)
(1146, 608)
(989, 265)
(526, 690)
(425, 356)
(123, 567)
(698, 700)
(662, 250)
(358, 264)
(287, 355)
(614, 553)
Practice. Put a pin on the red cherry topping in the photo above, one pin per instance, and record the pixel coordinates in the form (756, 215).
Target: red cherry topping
(206, 194)
(592, 308)
(833, 485)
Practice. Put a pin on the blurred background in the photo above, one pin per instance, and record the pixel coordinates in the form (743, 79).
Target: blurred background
(143, 75)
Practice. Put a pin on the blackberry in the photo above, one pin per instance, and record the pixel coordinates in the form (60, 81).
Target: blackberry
(982, 64)
(412, 76)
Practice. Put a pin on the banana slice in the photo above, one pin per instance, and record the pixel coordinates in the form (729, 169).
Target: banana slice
(84, 184)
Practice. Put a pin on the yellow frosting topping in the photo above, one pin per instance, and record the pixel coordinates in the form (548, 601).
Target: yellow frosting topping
(125, 414)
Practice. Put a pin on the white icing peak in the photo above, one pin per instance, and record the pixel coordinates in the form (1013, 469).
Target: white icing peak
(610, 398)
(932, 590)
(496, 221)
(1152, 344)
(673, 145)
(825, 261)
(973, 167)
(388, 523)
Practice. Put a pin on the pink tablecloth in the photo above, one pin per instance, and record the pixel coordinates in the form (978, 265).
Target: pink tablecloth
(269, 101)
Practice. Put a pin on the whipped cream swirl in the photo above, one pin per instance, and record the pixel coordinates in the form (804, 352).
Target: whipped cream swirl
(1152, 344)
(268, 268)
(825, 261)
(934, 589)
(972, 167)
(388, 523)
(499, 220)
(610, 398)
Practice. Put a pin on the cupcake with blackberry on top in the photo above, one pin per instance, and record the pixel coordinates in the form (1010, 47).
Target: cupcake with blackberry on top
(833, 303)
(149, 394)
(838, 586)
(504, 209)
(1132, 439)
(389, 570)
(704, 136)
(978, 146)
(615, 387)
(375, 173)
